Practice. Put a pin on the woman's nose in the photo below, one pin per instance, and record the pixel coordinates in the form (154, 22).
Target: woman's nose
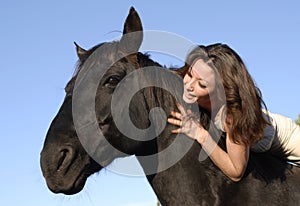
(190, 85)
(190, 89)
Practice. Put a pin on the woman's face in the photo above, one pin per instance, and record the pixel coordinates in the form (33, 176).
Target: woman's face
(199, 82)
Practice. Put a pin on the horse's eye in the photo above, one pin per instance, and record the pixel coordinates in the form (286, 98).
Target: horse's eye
(112, 81)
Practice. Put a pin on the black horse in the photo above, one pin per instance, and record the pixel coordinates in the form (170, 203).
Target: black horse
(66, 159)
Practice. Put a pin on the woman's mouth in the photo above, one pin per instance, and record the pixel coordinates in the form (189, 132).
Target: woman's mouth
(188, 94)
(189, 98)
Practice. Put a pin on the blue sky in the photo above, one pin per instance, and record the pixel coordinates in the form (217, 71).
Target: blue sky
(38, 58)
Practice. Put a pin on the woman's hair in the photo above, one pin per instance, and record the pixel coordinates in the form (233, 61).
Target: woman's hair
(243, 99)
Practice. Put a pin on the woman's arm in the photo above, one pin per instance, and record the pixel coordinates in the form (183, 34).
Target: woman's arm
(233, 163)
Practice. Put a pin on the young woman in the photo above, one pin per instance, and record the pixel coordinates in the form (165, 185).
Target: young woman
(215, 69)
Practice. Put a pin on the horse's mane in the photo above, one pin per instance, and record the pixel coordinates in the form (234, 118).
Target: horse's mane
(156, 97)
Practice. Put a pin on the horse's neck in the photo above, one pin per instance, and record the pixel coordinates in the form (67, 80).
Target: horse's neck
(173, 168)
(176, 174)
(184, 181)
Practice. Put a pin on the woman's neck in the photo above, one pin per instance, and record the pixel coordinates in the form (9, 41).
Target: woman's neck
(211, 105)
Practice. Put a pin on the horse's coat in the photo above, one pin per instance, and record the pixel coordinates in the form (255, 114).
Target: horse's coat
(66, 165)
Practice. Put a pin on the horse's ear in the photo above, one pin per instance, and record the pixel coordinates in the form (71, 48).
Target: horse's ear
(81, 53)
(133, 22)
(132, 33)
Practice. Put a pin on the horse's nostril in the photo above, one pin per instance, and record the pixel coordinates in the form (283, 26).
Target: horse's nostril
(62, 156)
(65, 158)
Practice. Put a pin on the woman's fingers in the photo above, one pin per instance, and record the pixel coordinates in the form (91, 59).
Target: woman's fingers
(176, 115)
(176, 131)
(181, 109)
(176, 122)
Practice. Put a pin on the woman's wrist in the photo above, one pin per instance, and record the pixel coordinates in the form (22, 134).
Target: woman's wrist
(206, 141)
(201, 135)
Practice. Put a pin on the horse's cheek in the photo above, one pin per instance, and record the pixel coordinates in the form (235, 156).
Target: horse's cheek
(103, 106)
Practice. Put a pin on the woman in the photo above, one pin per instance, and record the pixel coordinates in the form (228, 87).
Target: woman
(239, 112)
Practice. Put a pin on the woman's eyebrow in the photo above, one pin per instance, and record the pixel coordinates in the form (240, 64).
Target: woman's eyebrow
(200, 79)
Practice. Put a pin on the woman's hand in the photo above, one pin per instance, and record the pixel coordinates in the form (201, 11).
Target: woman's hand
(188, 124)
(233, 163)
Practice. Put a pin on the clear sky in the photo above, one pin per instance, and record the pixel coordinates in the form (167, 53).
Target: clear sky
(38, 58)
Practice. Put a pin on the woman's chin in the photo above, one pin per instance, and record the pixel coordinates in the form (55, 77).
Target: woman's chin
(191, 100)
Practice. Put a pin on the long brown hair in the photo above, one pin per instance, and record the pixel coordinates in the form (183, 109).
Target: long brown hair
(243, 98)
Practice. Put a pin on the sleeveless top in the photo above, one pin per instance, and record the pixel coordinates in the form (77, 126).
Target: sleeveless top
(281, 131)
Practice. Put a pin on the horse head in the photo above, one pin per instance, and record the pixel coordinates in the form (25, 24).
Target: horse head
(65, 163)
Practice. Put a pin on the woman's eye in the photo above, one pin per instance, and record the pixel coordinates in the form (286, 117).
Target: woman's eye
(112, 82)
(202, 85)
